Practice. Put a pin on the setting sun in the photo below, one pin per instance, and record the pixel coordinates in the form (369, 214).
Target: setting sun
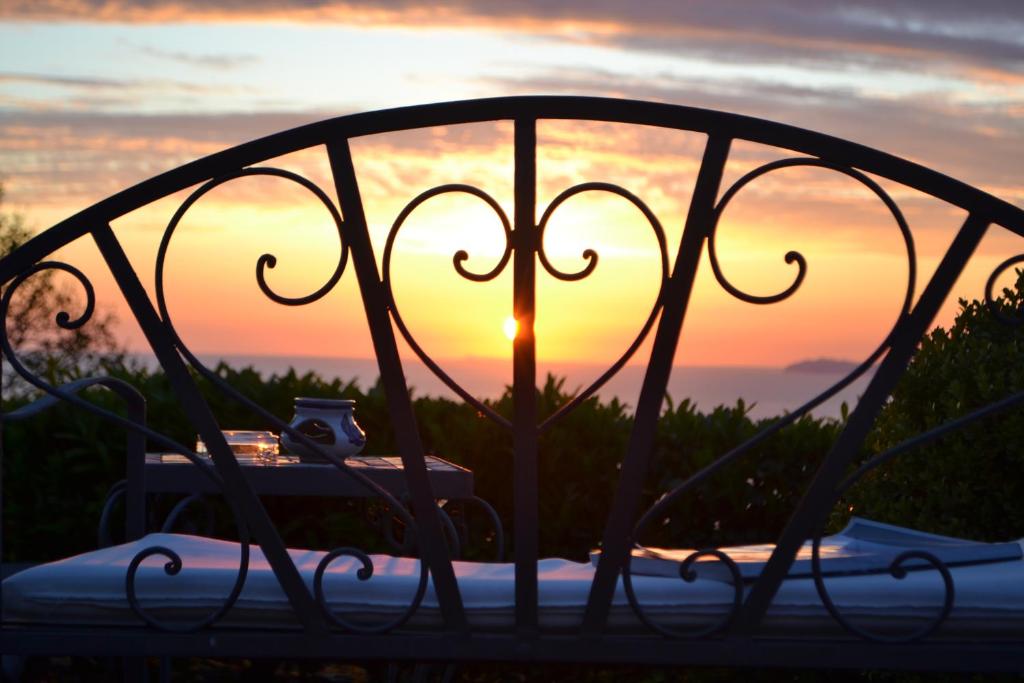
(510, 327)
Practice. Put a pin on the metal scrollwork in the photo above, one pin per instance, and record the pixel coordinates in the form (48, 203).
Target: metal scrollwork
(795, 256)
(897, 567)
(662, 504)
(897, 570)
(990, 299)
(63, 318)
(591, 257)
(69, 395)
(688, 574)
(492, 516)
(172, 568)
(364, 573)
(835, 388)
(461, 255)
(266, 260)
(457, 261)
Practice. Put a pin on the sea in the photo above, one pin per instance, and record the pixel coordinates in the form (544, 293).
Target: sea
(765, 391)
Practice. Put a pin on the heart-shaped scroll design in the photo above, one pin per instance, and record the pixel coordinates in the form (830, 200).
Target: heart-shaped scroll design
(458, 259)
(591, 257)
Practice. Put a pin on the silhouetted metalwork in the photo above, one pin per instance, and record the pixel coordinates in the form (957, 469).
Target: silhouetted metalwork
(136, 424)
(457, 260)
(990, 285)
(364, 573)
(430, 532)
(688, 574)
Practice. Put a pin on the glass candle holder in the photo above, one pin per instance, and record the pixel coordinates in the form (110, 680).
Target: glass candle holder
(249, 446)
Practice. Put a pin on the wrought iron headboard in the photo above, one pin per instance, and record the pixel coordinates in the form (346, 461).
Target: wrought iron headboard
(524, 249)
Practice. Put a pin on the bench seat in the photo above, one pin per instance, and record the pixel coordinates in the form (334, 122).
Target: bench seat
(89, 589)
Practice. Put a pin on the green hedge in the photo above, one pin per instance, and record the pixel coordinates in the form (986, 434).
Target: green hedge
(971, 482)
(59, 465)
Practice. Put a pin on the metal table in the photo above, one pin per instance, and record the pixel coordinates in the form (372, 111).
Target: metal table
(172, 473)
(288, 475)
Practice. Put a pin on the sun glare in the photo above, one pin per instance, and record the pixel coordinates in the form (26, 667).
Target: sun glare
(511, 327)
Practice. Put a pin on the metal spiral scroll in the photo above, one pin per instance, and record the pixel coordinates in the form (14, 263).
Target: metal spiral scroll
(264, 261)
(897, 567)
(64, 321)
(364, 574)
(591, 258)
(990, 299)
(688, 574)
(795, 256)
(897, 571)
(457, 260)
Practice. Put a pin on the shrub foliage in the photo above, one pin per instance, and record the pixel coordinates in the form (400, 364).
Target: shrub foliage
(968, 483)
(59, 465)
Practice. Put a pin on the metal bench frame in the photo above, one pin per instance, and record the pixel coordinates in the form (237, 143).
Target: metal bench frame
(737, 641)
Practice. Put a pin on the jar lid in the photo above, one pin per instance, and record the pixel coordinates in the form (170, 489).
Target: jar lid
(323, 403)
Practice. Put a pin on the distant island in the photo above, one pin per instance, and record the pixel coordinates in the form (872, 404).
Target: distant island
(822, 366)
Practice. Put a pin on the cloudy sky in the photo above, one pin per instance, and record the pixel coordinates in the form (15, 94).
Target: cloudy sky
(96, 95)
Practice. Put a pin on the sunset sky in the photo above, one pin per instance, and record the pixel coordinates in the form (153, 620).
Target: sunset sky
(97, 95)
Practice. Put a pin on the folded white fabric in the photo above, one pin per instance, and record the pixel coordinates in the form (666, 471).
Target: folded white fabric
(90, 589)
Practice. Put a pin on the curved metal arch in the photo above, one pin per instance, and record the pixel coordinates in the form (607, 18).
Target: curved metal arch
(672, 116)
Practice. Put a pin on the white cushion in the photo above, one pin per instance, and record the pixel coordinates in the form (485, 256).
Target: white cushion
(90, 589)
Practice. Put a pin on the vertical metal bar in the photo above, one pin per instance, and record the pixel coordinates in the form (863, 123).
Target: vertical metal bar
(135, 475)
(819, 498)
(617, 537)
(236, 488)
(524, 377)
(430, 535)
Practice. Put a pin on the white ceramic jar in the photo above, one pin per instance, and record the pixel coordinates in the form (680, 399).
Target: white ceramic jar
(330, 423)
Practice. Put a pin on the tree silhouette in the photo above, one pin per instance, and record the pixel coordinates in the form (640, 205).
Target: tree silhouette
(47, 350)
